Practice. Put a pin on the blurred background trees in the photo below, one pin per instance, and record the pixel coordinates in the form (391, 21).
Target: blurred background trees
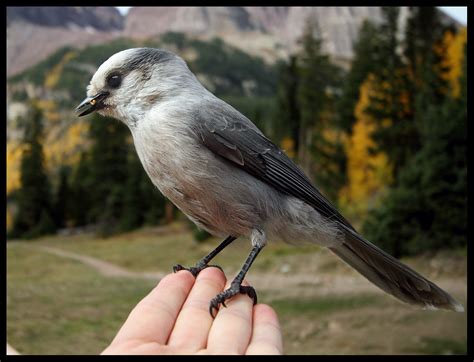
(384, 139)
(35, 214)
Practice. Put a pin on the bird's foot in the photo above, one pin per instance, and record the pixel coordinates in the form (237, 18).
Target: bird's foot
(194, 270)
(235, 288)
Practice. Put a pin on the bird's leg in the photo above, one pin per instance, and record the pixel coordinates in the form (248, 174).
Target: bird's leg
(236, 285)
(203, 263)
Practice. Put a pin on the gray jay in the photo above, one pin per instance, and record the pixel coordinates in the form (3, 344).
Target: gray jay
(221, 171)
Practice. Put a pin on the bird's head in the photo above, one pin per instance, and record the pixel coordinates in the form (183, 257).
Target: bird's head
(133, 81)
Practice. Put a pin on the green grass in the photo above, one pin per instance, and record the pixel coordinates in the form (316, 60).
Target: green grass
(148, 250)
(439, 346)
(135, 251)
(59, 306)
(323, 305)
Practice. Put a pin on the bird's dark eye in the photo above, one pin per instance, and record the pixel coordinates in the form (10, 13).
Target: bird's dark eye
(114, 80)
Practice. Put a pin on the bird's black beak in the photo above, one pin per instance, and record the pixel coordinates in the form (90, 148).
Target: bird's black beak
(91, 104)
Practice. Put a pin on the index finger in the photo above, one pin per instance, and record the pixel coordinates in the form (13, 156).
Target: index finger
(153, 318)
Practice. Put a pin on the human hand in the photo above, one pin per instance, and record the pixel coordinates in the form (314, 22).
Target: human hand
(174, 319)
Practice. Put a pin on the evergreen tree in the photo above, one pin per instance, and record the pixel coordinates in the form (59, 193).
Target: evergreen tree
(396, 134)
(402, 82)
(425, 52)
(134, 201)
(35, 214)
(363, 63)
(62, 202)
(81, 186)
(288, 119)
(319, 81)
(108, 170)
(312, 97)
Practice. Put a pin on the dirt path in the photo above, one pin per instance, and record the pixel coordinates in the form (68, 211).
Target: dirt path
(265, 281)
(103, 267)
(281, 284)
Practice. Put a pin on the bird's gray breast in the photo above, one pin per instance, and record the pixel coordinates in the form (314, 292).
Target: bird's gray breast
(217, 196)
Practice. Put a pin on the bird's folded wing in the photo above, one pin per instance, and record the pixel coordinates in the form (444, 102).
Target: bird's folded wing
(229, 134)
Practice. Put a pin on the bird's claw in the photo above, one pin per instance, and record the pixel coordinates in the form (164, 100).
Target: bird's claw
(229, 293)
(194, 270)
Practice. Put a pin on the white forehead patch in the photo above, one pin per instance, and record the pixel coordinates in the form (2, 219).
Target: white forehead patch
(115, 61)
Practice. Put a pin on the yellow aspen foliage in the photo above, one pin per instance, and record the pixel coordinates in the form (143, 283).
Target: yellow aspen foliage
(9, 219)
(49, 109)
(331, 134)
(368, 171)
(333, 137)
(54, 74)
(63, 146)
(288, 145)
(453, 61)
(14, 152)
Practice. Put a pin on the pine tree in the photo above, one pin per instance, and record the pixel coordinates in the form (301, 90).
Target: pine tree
(320, 150)
(62, 200)
(288, 116)
(81, 186)
(426, 53)
(34, 197)
(108, 170)
(134, 201)
(362, 65)
(403, 81)
(396, 134)
(312, 97)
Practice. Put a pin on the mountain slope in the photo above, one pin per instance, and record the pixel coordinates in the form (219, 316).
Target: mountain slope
(99, 18)
(269, 32)
(33, 32)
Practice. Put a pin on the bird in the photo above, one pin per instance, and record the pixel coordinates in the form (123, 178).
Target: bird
(228, 178)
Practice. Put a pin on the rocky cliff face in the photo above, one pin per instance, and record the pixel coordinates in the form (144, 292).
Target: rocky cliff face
(35, 32)
(338, 25)
(99, 18)
(270, 32)
(143, 22)
(280, 27)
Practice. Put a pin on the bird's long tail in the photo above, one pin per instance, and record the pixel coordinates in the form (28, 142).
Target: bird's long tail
(391, 275)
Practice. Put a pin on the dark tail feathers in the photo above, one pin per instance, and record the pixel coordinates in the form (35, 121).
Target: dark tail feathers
(391, 275)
